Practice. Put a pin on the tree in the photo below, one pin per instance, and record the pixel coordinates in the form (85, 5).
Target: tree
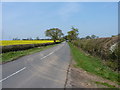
(16, 38)
(65, 37)
(29, 38)
(93, 36)
(88, 37)
(54, 33)
(73, 34)
(37, 38)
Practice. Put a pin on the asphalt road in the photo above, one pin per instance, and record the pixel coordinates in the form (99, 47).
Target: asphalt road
(45, 69)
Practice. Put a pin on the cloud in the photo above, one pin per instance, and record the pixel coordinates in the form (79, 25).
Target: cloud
(68, 9)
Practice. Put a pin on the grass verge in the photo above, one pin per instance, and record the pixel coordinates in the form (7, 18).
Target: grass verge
(10, 56)
(105, 84)
(92, 64)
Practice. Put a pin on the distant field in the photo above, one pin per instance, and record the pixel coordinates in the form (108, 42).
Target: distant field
(21, 42)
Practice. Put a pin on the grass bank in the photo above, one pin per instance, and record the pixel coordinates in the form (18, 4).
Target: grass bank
(10, 56)
(105, 84)
(93, 64)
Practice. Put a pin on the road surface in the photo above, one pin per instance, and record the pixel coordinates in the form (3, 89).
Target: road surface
(45, 69)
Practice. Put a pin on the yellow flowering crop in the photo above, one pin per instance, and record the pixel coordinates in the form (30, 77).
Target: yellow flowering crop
(20, 42)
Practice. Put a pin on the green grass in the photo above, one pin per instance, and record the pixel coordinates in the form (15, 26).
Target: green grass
(92, 64)
(9, 56)
(105, 84)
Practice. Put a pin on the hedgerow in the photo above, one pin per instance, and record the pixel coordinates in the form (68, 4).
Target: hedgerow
(22, 47)
(106, 48)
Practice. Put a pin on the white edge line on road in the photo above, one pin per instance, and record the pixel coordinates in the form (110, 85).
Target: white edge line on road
(13, 74)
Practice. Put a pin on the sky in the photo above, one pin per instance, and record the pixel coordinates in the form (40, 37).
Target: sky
(32, 19)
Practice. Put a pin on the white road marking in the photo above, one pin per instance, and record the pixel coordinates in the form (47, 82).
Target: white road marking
(25, 67)
(47, 55)
(13, 74)
(52, 52)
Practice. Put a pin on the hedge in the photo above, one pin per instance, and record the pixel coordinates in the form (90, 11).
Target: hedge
(101, 47)
(22, 47)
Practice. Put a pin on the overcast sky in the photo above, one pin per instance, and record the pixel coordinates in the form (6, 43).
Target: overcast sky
(31, 19)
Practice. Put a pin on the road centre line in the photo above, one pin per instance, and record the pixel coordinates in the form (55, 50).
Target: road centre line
(13, 74)
(52, 52)
(47, 55)
(25, 67)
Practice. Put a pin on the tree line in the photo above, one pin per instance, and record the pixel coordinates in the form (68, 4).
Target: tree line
(57, 34)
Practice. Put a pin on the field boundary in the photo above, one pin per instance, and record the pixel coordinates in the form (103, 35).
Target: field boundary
(23, 47)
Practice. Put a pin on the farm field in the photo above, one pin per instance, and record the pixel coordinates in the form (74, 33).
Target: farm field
(21, 42)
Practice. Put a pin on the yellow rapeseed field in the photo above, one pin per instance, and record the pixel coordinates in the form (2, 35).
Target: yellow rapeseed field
(20, 42)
